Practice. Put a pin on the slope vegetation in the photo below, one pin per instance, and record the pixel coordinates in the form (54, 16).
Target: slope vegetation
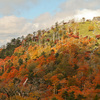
(61, 63)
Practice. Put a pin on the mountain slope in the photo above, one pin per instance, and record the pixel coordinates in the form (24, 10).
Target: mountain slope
(57, 64)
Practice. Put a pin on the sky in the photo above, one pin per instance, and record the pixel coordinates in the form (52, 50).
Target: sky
(21, 17)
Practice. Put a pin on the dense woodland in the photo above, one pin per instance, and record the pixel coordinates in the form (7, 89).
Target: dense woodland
(54, 64)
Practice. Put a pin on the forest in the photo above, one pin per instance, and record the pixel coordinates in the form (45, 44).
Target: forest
(58, 63)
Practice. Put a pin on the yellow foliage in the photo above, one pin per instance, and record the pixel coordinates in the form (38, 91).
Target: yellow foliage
(19, 49)
(91, 28)
(17, 97)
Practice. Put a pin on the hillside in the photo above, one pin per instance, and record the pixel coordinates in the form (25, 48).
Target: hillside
(60, 63)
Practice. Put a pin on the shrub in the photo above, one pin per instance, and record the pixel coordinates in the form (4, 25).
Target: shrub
(91, 28)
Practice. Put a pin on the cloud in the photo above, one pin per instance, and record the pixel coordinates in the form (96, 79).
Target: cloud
(87, 13)
(13, 24)
(77, 9)
(8, 7)
(44, 20)
(12, 27)
(72, 5)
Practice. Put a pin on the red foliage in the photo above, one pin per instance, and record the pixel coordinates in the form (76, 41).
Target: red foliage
(56, 41)
(98, 36)
(51, 58)
(75, 36)
(48, 40)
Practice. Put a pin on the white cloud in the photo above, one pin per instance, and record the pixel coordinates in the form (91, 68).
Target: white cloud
(87, 13)
(12, 27)
(44, 21)
(13, 24)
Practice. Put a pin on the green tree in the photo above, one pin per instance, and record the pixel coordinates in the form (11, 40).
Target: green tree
(80, 97)
(96, 97)
(54, 98)
(72, 96)
(20, 61)
(65, 95)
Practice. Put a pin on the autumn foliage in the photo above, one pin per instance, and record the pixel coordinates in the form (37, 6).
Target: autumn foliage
(67, 68)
